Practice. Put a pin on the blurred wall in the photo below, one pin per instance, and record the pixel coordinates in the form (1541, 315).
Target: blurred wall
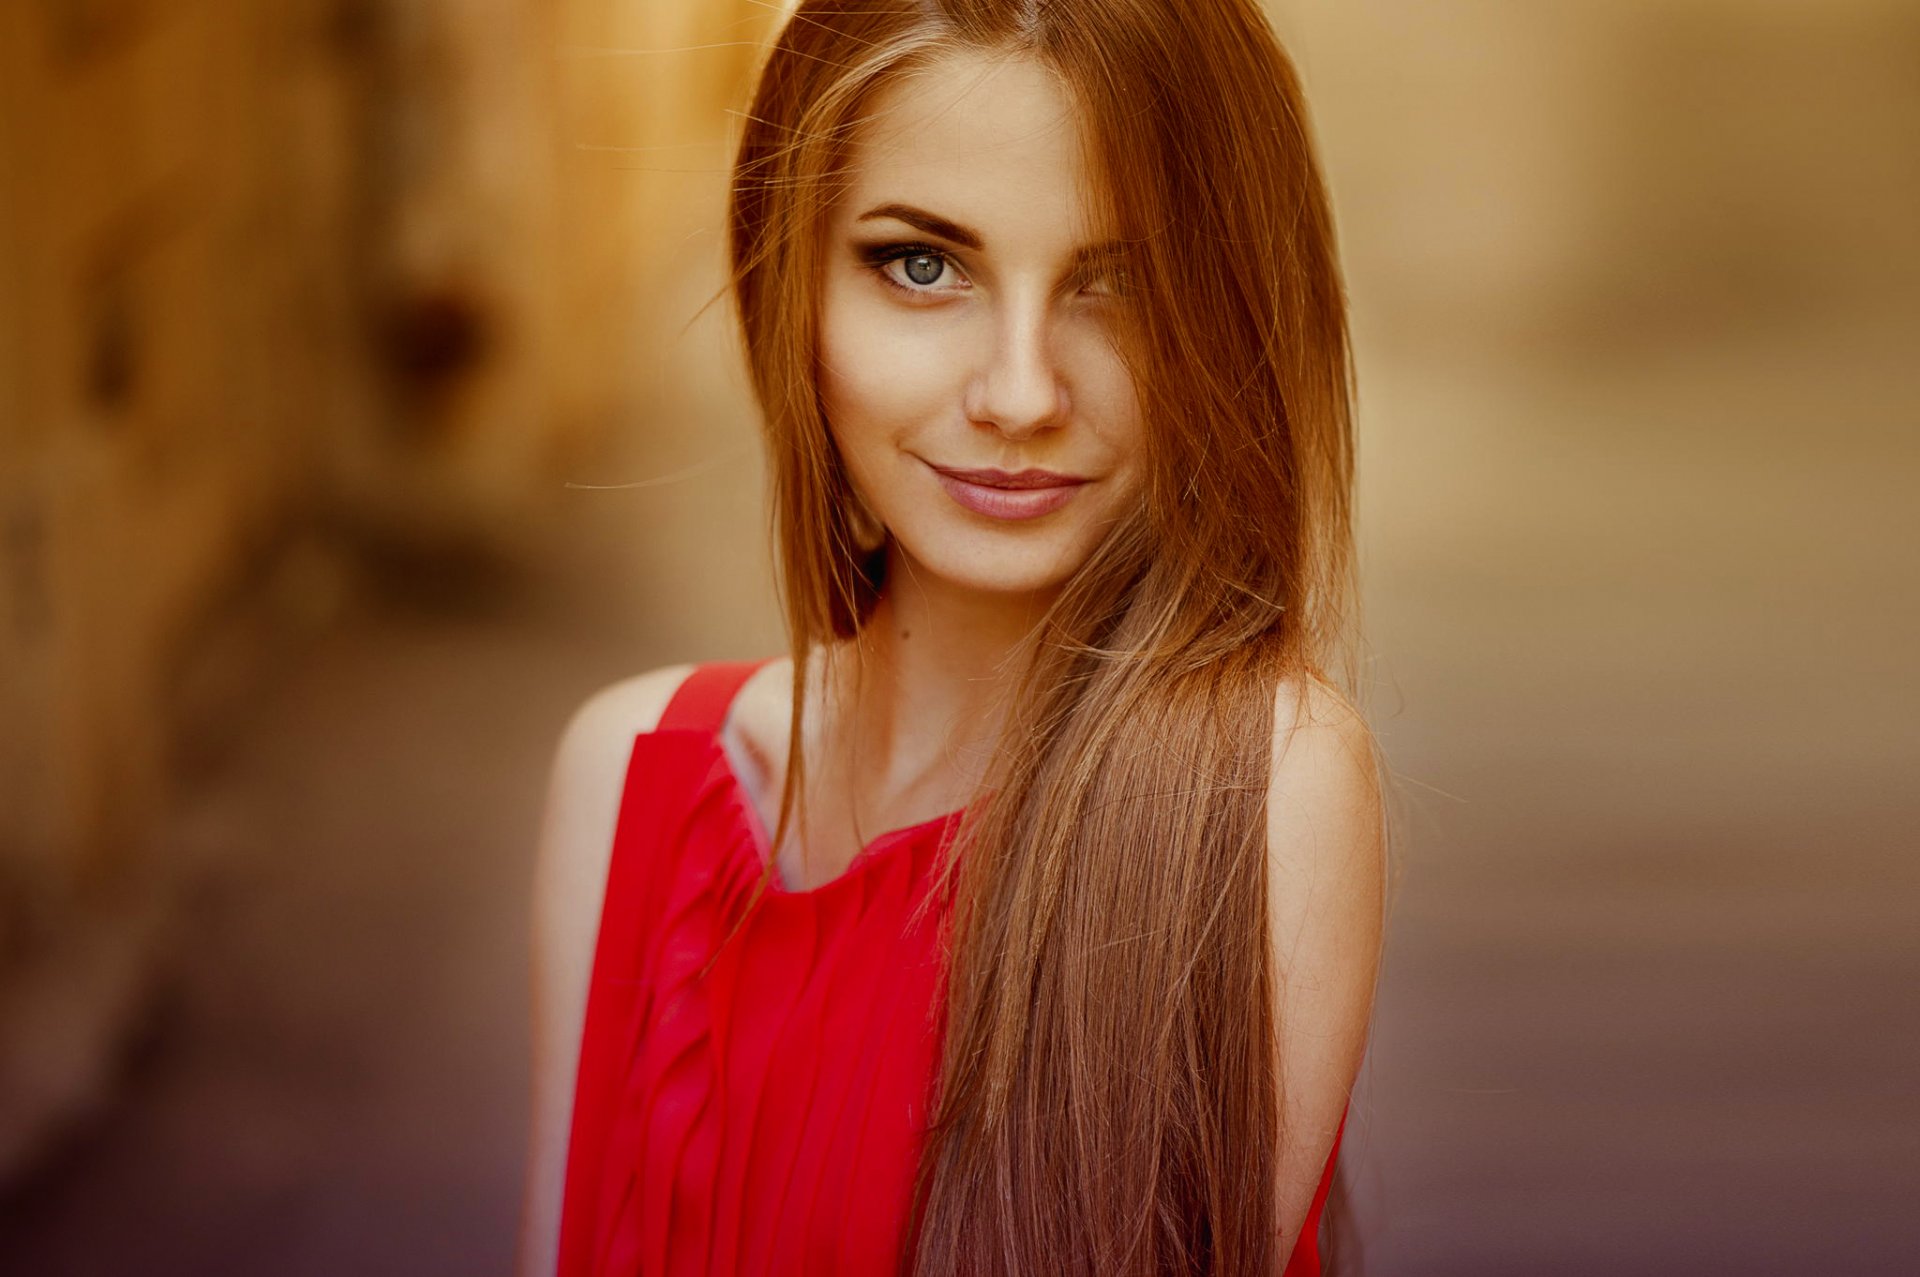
(1634, 291)
(283, 283)
(179, 221)
(1603, 173)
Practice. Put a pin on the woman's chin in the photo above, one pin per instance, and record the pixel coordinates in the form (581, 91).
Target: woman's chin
(993, 571)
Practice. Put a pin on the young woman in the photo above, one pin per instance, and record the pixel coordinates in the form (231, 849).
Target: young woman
(1024, 918)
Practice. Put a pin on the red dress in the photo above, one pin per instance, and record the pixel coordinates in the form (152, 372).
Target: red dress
(766, 1119)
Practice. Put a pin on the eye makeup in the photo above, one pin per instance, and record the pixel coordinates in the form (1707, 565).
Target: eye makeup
(879, 258)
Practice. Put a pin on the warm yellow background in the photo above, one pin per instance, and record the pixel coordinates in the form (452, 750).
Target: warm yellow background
(359, 415)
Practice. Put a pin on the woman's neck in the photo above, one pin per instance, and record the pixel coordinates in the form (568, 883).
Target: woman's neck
(922, 688)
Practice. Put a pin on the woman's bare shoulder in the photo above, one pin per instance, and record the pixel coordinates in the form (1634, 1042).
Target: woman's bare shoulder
(584, 786)
(1326, 884)
(1325, 793)
(624, 708)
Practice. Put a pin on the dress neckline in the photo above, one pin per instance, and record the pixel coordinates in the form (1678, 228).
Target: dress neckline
(761, 839)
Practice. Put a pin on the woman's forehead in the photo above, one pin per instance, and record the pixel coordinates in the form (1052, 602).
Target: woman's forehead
(989, 143)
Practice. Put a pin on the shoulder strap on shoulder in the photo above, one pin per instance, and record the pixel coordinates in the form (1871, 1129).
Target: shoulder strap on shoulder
(700, 702)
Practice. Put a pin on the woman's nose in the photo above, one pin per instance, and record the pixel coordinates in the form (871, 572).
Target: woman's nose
(1018, 389)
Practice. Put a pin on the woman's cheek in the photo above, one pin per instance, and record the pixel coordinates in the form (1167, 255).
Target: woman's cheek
(886, 381)
(859, 354)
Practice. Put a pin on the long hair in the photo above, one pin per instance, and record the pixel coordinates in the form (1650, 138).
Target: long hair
(1108, 1100)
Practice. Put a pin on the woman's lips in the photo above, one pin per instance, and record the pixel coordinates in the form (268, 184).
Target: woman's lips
(1027, 494)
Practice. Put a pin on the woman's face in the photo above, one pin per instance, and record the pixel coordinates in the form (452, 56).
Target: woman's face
(968, 365)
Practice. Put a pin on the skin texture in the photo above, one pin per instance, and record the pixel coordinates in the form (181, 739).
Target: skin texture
(1002, 358)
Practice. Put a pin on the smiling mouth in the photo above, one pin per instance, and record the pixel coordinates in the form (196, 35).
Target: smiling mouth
(998, 494)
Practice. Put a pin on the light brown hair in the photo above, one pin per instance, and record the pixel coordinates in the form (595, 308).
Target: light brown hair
(1108, 1098)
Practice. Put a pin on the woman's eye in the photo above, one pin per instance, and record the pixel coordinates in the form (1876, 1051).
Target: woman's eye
(921, 272)
(1111, 282)
(914, 268)
(923, 269)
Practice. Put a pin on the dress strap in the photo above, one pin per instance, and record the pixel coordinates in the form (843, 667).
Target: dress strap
(700, 702)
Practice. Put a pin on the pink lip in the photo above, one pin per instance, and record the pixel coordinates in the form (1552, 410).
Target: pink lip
(1025, 494)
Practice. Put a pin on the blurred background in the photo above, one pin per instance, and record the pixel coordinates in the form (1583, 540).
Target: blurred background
(361, 411)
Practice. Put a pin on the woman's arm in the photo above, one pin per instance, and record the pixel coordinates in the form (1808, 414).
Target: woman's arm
(1326, 890)
(569, 879)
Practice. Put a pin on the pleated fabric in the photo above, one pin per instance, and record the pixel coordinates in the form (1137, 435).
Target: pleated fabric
(763, 1116)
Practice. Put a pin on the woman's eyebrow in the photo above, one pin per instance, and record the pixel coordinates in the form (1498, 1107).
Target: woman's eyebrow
(931, 223)
(1105, 253)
